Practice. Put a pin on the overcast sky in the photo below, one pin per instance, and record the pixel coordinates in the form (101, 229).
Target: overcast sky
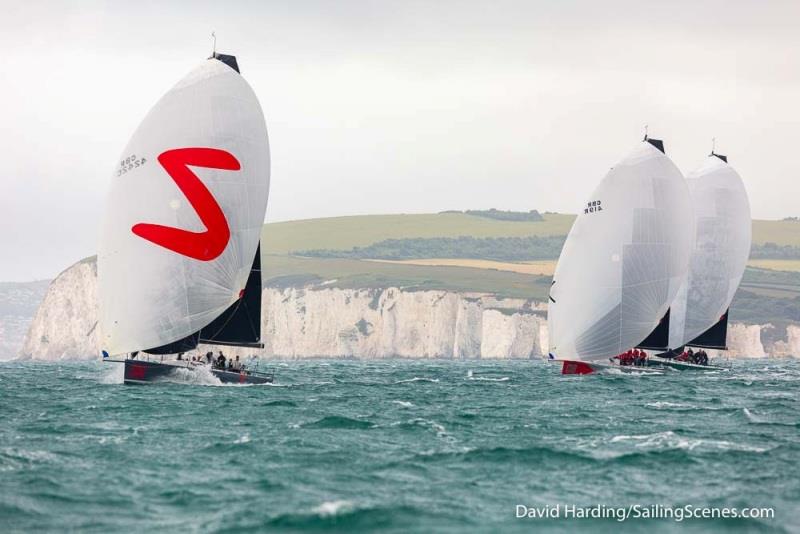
(387, 107)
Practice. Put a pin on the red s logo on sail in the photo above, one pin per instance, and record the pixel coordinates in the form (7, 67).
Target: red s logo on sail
(203, 246)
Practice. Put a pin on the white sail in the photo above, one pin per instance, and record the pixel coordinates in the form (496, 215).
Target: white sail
(720, 247)
(184, 213)
(623, 261)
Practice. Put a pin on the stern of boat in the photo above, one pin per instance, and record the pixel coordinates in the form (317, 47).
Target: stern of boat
(575, 367)
(141, 371)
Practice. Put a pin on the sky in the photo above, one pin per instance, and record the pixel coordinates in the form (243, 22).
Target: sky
(397, 106)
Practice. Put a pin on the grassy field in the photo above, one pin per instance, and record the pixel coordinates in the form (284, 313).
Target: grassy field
(544, 267)
(362, 230)
(521, 279)
(343, 233)
(776, 265)
(780, 232)
(771, 283)
(282, 271)
(769, 293)
(359, 231)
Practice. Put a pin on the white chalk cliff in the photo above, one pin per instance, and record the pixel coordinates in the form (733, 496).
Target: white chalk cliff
(322, 321)
(65, 324)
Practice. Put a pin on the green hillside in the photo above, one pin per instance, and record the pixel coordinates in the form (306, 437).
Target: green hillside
(770, 291)
(785, 232)
(283, 244)
(338, 252)
(283, 271)
(364, 230)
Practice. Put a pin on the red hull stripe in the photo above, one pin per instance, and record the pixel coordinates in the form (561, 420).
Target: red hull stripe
(576, 368)
(203, 246)
(138, 372)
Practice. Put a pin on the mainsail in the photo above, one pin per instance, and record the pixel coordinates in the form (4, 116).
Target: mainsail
(720, 248)
(624, 259)
(178, 261)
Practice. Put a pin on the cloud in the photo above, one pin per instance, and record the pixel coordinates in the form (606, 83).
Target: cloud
(398, 106)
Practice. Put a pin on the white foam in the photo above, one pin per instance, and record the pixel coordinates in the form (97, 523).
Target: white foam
(200, 375)
(418, 379)
(489, 379)
(331, 508)
(17, 458)
(667, 404)
(112, 373)
(441, 431)
(404, 404)
(751, 417)
(670, 440)
(243, 439)
(616, 371)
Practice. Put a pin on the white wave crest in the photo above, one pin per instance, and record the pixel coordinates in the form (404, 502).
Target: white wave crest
(418, 379)
(631, 371)
(489, 379)
(332, 508)
(243, 439)
(667, 404)
(438, 428)
(670, 440)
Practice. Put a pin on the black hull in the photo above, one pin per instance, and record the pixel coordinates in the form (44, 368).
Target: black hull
(233, 377)
(143, 372)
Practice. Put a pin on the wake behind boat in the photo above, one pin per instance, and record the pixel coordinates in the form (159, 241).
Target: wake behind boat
(179, 262)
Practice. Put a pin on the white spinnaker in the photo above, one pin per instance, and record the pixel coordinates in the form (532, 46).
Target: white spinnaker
(622, 265)
(720, 247)
(150, 295)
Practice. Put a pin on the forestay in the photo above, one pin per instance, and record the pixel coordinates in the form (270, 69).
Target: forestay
(184, 213)
(623, 261)
(720, 247)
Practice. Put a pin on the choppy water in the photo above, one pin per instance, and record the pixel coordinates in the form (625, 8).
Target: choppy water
(397, 445)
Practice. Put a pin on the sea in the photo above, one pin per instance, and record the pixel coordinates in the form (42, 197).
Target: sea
(401, 446)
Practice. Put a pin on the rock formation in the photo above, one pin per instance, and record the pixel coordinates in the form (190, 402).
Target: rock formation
(323, 321)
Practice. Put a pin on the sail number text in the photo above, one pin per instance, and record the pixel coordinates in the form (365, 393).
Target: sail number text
(592, 207)
(130, 163)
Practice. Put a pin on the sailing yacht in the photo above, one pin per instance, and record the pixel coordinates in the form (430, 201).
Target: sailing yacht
(720, 247)
(179, 257)
(622, 264)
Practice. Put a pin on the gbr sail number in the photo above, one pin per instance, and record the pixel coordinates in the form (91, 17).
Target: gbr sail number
(130, 163)
(593, 206)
